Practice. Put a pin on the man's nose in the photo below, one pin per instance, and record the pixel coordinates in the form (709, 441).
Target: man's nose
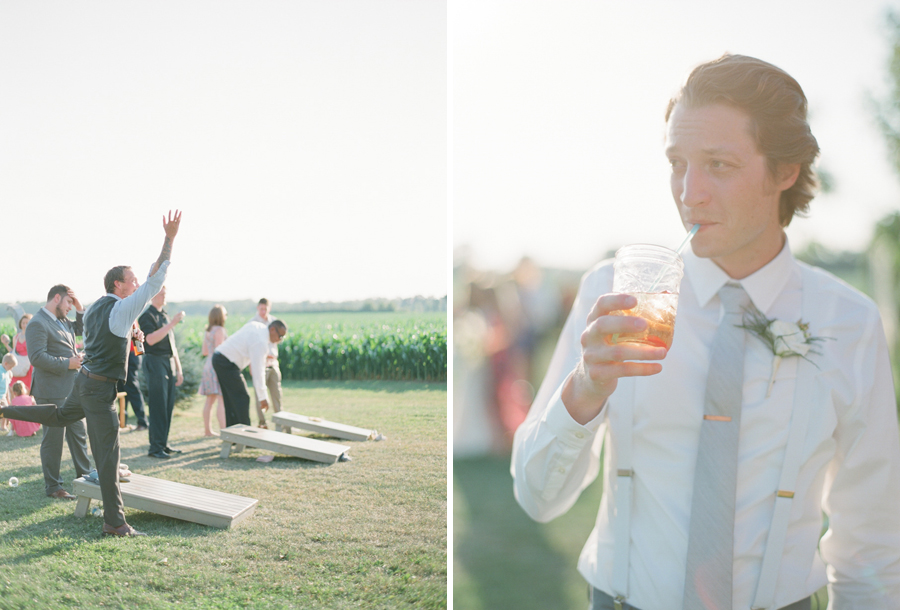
(694, 186)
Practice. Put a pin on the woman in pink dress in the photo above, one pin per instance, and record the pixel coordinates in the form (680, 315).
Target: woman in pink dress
(209, 383)
(23, 369)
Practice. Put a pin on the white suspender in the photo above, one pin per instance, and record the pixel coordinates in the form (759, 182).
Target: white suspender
(803, 389)
(624, 427)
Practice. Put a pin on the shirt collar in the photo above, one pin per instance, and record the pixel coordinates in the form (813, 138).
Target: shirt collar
(116, 297)
(763, 286)
(50, 313)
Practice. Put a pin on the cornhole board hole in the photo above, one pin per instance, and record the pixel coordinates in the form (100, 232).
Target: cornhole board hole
(171, 499)
(320, 426)
(241, 436)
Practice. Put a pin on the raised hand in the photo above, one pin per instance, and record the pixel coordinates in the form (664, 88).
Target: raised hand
(75, 302)
(171, 226)
(602, 362)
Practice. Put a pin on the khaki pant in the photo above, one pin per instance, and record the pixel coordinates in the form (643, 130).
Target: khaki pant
(273, 385)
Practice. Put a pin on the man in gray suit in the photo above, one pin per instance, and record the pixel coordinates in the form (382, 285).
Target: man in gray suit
(50, 337)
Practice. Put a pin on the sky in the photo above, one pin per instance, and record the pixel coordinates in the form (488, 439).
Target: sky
(557, 118)
(305, 143)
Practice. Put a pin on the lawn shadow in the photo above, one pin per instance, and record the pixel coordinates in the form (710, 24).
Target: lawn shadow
(70, 530)
(507, 558)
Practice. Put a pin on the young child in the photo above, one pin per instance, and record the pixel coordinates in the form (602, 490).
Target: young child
(9, 362)
(21, 398)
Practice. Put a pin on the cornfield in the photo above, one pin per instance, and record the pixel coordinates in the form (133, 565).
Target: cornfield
(412, 351)
(395, 347)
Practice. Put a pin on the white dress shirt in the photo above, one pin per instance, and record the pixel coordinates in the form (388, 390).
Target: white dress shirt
(249, 346)
(273, 347)
(851, 455)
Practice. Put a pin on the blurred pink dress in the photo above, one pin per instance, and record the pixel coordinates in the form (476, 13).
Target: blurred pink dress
(23, 428)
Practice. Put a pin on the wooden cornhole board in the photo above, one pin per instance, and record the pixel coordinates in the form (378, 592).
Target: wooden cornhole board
(242, 436)
(172, 499)
(320, 426)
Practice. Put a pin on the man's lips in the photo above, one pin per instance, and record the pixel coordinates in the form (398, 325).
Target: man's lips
(703, 223)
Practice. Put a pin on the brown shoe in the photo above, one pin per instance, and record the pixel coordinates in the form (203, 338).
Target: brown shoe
(61, 494)
(263, 426)
(122, 530)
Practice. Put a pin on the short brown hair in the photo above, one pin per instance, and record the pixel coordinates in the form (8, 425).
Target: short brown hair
(778, 123)
(116, 274)
(216, 316)
(59, 289)
(263, 301)
(26, 316)
(19, 389)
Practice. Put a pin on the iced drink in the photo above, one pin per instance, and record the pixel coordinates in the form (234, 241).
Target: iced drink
(659, 311)
(652, 274)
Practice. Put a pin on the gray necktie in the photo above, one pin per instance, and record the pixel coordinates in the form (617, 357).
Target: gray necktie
(710, 553)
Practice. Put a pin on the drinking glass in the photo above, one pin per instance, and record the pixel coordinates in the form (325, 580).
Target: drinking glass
(653, 275)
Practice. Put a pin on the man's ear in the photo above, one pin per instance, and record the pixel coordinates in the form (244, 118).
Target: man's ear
(787, 175)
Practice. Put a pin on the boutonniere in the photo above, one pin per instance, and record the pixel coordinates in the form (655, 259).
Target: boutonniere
(785, 339)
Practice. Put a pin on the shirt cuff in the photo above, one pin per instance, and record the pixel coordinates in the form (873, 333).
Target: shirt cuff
(566, 429)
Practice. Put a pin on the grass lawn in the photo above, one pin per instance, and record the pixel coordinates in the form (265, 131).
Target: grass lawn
(369, 533)
(503, 559)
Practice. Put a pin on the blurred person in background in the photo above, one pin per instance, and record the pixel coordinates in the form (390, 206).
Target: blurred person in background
(719, 462)
(132, 388)
(209, 384)
(23, 370)
(8, 362)
(273, 370)
(20, 397)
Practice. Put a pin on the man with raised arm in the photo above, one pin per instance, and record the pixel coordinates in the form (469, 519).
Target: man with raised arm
(107, 335)
(774, 405)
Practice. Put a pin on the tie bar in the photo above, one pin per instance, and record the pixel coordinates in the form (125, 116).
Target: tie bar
(785, 494)
(717, 417)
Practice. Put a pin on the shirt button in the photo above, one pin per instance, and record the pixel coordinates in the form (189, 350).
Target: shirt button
(579, 434)
(562, 470)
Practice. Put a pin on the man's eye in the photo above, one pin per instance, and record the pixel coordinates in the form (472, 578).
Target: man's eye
(718, 164)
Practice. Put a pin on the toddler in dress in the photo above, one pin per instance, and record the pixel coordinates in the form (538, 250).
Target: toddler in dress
(21, 398)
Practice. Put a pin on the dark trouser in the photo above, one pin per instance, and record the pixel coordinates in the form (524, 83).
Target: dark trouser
(52, 446)
(160, 399)
(602, 601)
(132, 389)
(95, 401)
(273, 384)
(234, 390)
